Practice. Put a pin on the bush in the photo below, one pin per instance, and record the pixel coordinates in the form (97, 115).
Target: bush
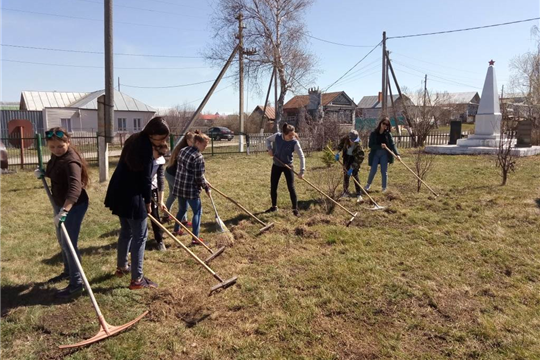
(327, 156)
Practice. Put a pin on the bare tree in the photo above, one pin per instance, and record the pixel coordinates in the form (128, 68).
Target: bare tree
(525, 78)
(275, 28)
(506, 160)
(422, 165)
(178, 117)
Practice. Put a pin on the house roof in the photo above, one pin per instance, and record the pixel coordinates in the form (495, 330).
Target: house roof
(209, 116)
(447, 98)
(38, 100)
(270, 111)
(303, 100)
(372, 102)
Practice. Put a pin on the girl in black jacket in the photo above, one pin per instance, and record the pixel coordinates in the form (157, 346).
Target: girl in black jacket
(129, 196)
(379, 140)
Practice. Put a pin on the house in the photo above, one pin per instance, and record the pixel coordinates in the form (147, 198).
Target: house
(77, 112)
(335, 104)
(370, 107)
(463, 105)
(257, 121)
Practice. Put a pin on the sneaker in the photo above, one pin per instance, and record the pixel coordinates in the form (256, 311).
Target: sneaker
(195, 242)
(272, 209)
(179, 232)
(58, 278)
(120, 272)
(359, 199)
(384, 190)
(345, 194)
(367, 187)
(161, 246)
(296, 213)
(143, 283)
(68, 292)
(187, 223)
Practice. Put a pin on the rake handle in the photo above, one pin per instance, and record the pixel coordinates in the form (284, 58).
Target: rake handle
(183, 246)
(188, 231)
(356, 182)
(316, 188)
(237, 204)
(412, 172)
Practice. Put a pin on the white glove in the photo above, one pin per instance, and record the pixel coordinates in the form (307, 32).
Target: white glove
(40, 174)
(60, 217)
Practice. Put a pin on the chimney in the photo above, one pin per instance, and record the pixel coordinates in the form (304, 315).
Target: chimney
(380, 97)
(315, 98)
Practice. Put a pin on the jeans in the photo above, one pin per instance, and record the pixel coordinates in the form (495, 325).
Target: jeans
(170, 198)
(196, 206)
(274, 181)
(347, 161)
(381, 157)
(133, 235)
(73, 226)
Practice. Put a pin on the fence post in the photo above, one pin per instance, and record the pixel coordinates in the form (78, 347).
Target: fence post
(39, 150)
(21, 130)
(171, 141)
(212, 146)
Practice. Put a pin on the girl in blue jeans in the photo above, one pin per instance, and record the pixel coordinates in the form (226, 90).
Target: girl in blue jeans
(190, 180)
(69, 178)
(379, 140)
(129, 196)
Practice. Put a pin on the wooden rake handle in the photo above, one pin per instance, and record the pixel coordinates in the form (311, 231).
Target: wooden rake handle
(356, 182)
(316, 188)
(188, 231)
(237, 204)
(412, 172)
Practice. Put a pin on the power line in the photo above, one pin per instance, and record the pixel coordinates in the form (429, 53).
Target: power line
(143, 9)
(215, 92)
(100, 20)
(448, 81)
(100, 52)
(342, 76)
(465, 29)
(336, 43)
(432, 63)
(174, 86)
(100, 67)
(433, 71)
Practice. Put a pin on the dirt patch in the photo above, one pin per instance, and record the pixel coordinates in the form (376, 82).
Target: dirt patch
(225, 239)
(303, 231)
(319, 219)
(240, 234)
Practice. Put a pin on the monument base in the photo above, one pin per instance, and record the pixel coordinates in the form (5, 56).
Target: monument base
(479, 150)
(480, 141)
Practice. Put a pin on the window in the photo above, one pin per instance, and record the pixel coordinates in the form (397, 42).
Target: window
(137, 125)
(122, 124)
(66, 124)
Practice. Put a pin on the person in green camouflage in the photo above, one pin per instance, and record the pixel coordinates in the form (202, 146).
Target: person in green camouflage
(353, 156)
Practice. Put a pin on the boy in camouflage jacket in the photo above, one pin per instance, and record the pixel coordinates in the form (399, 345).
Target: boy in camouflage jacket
(353, 156)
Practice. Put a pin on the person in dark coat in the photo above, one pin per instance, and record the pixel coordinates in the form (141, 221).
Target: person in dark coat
(379, 140)
(129, 196)
(69, 177)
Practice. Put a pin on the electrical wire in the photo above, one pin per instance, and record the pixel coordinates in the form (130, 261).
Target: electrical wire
(465, 29)
(336, 43)
(100, 20)
(143, 9)
(100, 67)
(348, 71)
(99, 52)
(174, 86)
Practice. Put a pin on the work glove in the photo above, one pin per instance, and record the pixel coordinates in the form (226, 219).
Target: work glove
(60, 217)
(40, 174)
(336, 157)
(349, 172)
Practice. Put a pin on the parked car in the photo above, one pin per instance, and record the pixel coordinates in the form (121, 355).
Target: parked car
(3, 156)
(220, 132)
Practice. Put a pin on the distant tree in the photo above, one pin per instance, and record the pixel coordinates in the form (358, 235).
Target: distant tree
(275, 28)
(178, 117)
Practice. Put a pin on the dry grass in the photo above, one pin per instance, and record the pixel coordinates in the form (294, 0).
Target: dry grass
(450, 277)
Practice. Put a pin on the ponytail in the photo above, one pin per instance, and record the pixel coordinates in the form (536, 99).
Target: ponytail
(286, 129)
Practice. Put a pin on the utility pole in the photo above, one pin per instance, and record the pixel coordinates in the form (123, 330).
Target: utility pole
(275, 97)
(108, 106)
(384, 73)
(119, 83)
(241, 81)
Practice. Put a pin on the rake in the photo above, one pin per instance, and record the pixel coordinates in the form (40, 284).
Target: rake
(106, 330)
(265, 226)
(375, 205)
(319, 190)
(223, 284)
(213, 254)
(408, 168)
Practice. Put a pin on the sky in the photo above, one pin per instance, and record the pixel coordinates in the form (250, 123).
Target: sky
(176, 33)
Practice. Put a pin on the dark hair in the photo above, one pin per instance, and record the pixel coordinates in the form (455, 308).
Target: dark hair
(286, 129)
(384, 120)
(156, 126)
(66, 138)
(182, 144)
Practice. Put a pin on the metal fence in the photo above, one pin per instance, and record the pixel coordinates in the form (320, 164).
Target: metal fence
(24, 153)
(434, 138)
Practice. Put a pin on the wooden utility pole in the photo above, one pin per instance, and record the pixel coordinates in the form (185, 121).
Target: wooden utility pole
(266, 101)
(241, 81)
(398, 129)
(384, 75)
(275, 97)
(119, 83)
(108, 108)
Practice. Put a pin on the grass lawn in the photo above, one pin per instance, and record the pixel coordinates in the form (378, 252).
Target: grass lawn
(454, 277)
